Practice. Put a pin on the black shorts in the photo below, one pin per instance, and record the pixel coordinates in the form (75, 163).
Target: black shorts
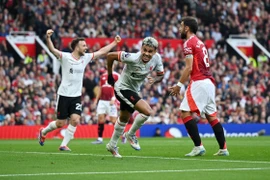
(127, 99)
(67, 106)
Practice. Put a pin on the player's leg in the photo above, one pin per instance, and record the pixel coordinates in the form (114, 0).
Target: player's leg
(145, 111)
(119, 128)
(190, 104)
(75, 110)
(62, 114)
(126, 109)
(101, 122)
(192, 129)
(133, 100)
(219, 134)
(102, 110)
(113, 113)
(210, 114)
(51, 126)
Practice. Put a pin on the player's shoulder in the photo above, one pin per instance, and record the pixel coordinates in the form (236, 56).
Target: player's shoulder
(66, 54)
(191, 41)
(130, 54)
(88, 55)
(157, 57)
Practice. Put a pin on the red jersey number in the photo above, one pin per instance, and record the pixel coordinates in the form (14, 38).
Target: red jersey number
(205, 58)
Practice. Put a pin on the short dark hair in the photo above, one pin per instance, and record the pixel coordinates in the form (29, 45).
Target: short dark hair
(75, 42)
(191, 22)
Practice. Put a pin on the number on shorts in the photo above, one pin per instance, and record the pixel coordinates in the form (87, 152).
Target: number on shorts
(78, 107)
(205, 58)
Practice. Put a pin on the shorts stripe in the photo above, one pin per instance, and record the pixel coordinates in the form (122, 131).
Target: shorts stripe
(124, 99)
(192, 105)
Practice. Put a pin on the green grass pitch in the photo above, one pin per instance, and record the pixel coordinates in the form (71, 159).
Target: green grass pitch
(159, 158)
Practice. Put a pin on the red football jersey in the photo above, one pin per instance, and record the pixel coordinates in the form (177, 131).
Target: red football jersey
(201, 64)
(107, 91)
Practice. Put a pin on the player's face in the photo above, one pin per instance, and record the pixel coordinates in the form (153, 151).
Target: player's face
(183, 30)
(147, 53)
(82, 47)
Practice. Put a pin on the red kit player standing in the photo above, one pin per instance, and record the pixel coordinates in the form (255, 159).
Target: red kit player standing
(106, 104)
(200, 94)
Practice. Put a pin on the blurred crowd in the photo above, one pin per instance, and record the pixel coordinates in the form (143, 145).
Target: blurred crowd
(28, 90)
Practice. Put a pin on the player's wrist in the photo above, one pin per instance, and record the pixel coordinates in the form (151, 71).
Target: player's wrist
(179, 84)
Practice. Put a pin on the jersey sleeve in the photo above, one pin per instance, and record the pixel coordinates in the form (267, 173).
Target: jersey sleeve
(89, 57)
(188, 48)
(63, 56)
(126, 57)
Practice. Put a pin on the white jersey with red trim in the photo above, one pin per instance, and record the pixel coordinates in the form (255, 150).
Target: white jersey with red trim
(136, 71)
(72, 73)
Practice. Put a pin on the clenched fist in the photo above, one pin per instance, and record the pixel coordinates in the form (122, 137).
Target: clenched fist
(49, 32)
(117, 39)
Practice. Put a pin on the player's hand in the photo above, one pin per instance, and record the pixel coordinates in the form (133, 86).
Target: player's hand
(117, 39)
(95, 102)
(112, 101)
(151, 80)
(175, 90)
(111, 79)
(49, 32)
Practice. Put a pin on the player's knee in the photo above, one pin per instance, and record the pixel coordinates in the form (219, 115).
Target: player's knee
(101, 118)
(124, 118)
(75, 122)
(60, 123)
(148, 112)
(185, 114)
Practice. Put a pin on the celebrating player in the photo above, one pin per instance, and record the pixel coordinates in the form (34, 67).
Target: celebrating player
(137, 68)
(70, 90)
(200, 94)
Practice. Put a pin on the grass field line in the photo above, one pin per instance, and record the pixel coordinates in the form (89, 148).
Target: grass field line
(144, 172)
(142, 157)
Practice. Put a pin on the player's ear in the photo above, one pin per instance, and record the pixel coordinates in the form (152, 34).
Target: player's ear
(186, 28)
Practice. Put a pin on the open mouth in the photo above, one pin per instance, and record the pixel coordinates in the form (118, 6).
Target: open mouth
(146, 58)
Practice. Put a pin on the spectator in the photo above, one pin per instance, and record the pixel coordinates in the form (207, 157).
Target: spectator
(43, 59)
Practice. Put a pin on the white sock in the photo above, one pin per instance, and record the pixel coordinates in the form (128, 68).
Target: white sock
(52, 126)
(137, 124)
(69, 134)
(119, 128)
(100, 139)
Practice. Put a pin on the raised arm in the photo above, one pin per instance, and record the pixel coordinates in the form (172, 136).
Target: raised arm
(107, 48)
(50, 45)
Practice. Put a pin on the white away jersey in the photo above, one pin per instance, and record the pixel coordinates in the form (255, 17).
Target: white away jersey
(72, 74)
(135, 71)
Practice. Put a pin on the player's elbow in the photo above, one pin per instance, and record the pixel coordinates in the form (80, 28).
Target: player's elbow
(111, 56)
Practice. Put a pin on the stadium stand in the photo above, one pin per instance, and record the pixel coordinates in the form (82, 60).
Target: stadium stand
(28, 90)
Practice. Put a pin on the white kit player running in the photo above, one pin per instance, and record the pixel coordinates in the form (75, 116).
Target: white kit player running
(138, 67)
(200, 94)
(70, 90)
(106, 104)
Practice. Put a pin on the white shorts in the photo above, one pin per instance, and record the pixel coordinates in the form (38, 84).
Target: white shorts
(104, 107)
(200, 98)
